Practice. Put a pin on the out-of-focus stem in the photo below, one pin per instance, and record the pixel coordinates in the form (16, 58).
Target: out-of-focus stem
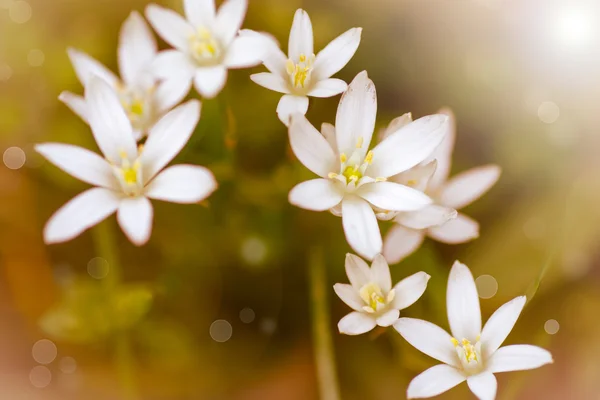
(321, 329)
(105, 244)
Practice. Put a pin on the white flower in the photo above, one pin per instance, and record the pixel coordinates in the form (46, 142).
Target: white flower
(353, 179)
(470, 354)
(206, 43)
(143, 96)
(301, 73)
(372, 297)
(440, 220)
(127, 176)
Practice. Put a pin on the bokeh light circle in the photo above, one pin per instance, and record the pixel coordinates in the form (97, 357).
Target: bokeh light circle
(98, 268)
(551, 327)
(487, 286)
(40, 376)
(36, 57)
(548, 112)
(5, 72)
(14, 157)
(20, 11)
(68, 365)
(221, 330)
(247, 315)
(44, 351)
(254, 250)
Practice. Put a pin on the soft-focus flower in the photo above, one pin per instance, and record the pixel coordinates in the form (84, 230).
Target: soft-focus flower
(470, 354)
(371, 296)
(127, 176)
(143, 96)
(440, 220)
(206, 43)
(301, 73)
(353, 179)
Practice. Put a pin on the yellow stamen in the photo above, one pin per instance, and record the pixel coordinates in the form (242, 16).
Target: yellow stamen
(343, 158)
(380, 179)
(369, 157)
(360, 142)
(372, 295)
(332, 175)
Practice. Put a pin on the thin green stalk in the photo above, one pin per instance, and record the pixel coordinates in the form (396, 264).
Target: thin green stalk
(105, 244)
(321, 329)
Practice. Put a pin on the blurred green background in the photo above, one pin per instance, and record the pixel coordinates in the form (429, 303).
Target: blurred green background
(522, 78)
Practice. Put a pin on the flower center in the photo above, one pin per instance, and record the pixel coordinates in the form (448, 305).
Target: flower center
(129, 174)
(353, 168)
(137, 105)
(374, 297)
(469, 354)
(204, 47)
(300, 72)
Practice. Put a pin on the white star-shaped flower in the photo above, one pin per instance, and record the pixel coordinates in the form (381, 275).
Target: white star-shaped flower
(143, 96)
(440, 220)
(128, 176)
(353, 179)
(206, 43)
(471, 354)
(372, 297)
(301, 73)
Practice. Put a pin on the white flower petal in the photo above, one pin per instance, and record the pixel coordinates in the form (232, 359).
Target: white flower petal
(458, 230)
(76, 103)
(498, 327)
(86, 68)
(358, 271)
(401, 242)
(80, 163)
(310, 147)
(170, 64)
(408, 146)
(410, 289)
(380, 273)
(246, 51)
(79, 214)
(168, 136)
(388, 318)
(434, 381)
(356, 323)
(200, 12)
(301, 36)
(465, 188)
(395, 125)
(429, 339)
(273, 58)
(443, 153)
(483, 385)
(110, 125)
(172, 27)
(184, 184)
(272, 82)
(360, 227)
(135, 218)
(289, 105)
(171, 92)
(417, 177)
(462, 302)
(328, 132)
(393, 196)
(431, 215)
(337, 53)
(316, 195)
(328, 88)
(355, 118)
(230, 17)
(518, 357)
(349, 296)
(209, 81)
(137, 48)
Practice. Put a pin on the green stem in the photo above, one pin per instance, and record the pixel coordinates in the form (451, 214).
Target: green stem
(321, 329)
(105, 244)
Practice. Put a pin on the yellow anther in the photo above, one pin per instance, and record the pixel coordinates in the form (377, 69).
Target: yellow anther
(302, 58)
(332, 175)
(137, 107)
(380, 179)
(369, 157)
(372, 295)
(290, 67)
(352, 173)
(343, 158)
(360, 142)
(123, 155)
(454, 342)
(130, 175)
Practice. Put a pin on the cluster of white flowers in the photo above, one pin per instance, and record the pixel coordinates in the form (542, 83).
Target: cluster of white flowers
(403, 178)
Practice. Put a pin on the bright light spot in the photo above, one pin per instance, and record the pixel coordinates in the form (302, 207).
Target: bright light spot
(98, 268)
(254, 250)
(36, 58)
(44, 351)
(548, 112)
(20, 11)
(268, 325)
(14, 157)
(40, 376)
(5, 72)
(247, 315)
(221, 331)
(487, 286)
(68, 365)
(574, 28)
(551, 326)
